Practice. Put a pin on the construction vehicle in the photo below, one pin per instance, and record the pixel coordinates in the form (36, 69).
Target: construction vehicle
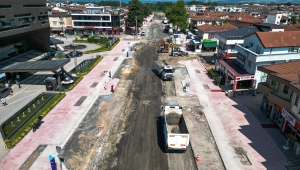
(175, 129)
(163, 70)
(164, 46)
(176, 51)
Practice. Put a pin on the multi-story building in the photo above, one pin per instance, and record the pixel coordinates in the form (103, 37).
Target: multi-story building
(23, 23)
(97, 20)
(281, 100)
(261, 48)
(61, 23)
(228, 40)
(24, 26)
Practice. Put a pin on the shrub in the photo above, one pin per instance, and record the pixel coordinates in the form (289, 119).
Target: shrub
(17, 137)
(211, 73)
(217, 80)
(74, 84)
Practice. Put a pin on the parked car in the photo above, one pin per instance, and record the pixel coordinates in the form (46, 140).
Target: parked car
(132, 32)
(74, 54)
(4, 92)
(143, 33)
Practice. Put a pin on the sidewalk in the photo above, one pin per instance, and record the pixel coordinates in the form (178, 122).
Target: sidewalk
(233, 125)
(61, 122)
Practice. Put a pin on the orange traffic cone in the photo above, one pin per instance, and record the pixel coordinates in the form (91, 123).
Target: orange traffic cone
(198, 158)
(100, 126)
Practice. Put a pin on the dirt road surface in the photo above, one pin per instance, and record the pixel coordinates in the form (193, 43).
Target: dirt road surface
(132, 135)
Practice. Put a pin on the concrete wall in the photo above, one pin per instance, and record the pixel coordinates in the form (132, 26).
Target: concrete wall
(274, 18)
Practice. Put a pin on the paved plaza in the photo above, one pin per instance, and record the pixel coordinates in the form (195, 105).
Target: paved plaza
(60, 122)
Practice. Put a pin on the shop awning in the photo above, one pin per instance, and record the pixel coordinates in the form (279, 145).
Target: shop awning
(212, 44)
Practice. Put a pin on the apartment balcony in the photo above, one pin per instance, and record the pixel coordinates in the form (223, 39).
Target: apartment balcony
(274, 98)
(265, 88)
(266, 57)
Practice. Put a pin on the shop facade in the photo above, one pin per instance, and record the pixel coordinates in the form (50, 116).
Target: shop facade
(233, 75)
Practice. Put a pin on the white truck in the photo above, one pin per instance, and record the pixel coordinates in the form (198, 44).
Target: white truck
(175, 130)
(163, 70)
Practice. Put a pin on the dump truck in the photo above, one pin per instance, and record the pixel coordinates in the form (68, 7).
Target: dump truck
(164, 46)
(163, 70)
(175, 130)
(176, 51)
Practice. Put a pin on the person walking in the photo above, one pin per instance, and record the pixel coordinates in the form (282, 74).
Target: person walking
(3, 101)
(17, 83)
(6, 85)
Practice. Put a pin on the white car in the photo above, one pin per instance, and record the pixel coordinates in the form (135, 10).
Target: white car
(143, 33)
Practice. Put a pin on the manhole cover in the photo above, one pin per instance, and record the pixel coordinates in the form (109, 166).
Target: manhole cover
(197, 71)
(116, 59)
(205, 86)
(128, 43)
(123, 50)
(80, 101)
(94, 84)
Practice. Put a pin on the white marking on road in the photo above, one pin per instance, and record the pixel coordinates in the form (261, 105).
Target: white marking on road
(6, 117)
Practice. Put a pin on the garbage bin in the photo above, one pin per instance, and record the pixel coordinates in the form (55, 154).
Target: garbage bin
(50, 84)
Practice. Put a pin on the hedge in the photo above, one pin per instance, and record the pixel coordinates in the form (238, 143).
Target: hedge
(89, 68)
(102, 48)
(17, 137)
(213, 75)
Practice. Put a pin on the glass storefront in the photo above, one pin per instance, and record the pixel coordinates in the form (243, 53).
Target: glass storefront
(292, 133)
(13, 49)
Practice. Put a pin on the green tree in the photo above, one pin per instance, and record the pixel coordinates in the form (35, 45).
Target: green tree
(147, 9)
(294, 19)
(177, 15)
(288, 4)
(135, 13)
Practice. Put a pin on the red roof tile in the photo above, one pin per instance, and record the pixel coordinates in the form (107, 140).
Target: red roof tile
(246, 18)
(279, 39)
(218, 28)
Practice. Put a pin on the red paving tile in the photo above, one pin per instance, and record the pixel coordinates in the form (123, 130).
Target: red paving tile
(233, 125)
(62, 120)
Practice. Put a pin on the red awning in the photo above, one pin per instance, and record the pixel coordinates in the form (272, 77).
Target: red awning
(278, 107)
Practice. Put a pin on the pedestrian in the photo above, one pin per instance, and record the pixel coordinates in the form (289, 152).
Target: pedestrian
(18, 77)
(127, 53)
(3, 101)
(112, 88)
(109, 74)
(6, 85)
(17, 83)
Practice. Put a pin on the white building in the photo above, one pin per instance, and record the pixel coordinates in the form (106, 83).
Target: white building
(98, 20)
(273, 18)
(264, 48)
(195, 8)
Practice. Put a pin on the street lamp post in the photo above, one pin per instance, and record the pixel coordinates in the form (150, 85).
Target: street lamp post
(73, 46)
(136, 27)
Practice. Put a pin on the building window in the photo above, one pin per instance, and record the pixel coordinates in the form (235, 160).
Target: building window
(285, 89)
(257, 49)
(297, 101)
(22, 15)
(2, 16)
(34, 6)
(273, 82)
(54, 23)
(5, 6)
(26, 20)
(291, 49)
(249, 64)
(250, 45)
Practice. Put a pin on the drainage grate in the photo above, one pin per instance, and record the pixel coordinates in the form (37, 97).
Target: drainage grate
(80, 101)
(197, 71)
(116, 59)
(205, 86)
(94, 84)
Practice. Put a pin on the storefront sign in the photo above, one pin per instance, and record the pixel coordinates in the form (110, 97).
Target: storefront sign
(2, 75)
(288, 117)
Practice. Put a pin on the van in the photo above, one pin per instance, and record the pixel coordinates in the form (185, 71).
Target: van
(170, 31)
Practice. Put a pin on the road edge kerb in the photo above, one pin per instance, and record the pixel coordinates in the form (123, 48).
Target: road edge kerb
(194, 156)
(216, 144)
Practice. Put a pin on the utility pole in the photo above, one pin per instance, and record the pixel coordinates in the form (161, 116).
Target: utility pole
(136, 27)
(120, 4)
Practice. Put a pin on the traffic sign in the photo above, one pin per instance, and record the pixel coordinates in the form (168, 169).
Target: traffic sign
(175, 35)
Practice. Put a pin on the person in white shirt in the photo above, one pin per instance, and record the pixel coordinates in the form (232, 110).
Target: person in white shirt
(3, 101)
